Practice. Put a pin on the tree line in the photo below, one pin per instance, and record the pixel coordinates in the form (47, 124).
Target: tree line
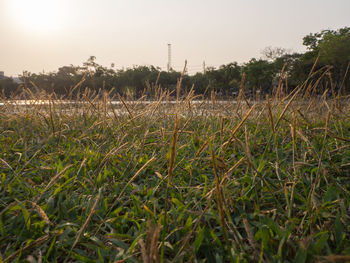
(325, 65)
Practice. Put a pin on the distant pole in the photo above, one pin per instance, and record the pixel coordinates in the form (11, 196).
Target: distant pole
(204, 70)
(169, 57)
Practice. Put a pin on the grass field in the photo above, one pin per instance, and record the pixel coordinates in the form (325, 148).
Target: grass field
(237, 182)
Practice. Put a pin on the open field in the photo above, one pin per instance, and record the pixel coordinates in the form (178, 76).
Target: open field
(188, 182)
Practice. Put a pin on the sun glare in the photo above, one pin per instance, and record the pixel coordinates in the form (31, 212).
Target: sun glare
(38, 15)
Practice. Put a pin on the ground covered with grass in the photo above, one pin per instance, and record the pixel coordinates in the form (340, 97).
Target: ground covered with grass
(248, 183)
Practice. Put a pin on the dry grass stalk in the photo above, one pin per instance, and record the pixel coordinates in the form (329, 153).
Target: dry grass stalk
(92, 211)
(41, 213)
(229, 171)
(157, 80)
(213, 99)
(314, 66)
(250, 235)
(134, 177)
(335, 258)
(270, 115)
(251, 239)
(144, 254)
(156, 105)
(36, 243)
(150, 250)
(6, 164)
(224, 179)
(314, 87)
(280, 84)
(116, 118)
(51, 115)
(77, 86)
(190, 96)
(241, 94)
(218, 193)
(179, 82)
(201, 149)
(126, 107)
(222, 124)
(338, 137)
(293, 133)
(238, 126)
(81, 165)
(52, 181)
(173, 149)
(286, 107)
(112, 152)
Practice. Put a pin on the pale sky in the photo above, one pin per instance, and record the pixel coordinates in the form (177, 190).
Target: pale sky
(37, 35)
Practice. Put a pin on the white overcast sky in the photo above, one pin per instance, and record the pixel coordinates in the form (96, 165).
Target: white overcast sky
(37, 35)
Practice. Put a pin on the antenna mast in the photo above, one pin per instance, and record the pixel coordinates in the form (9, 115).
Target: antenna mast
(169, 57)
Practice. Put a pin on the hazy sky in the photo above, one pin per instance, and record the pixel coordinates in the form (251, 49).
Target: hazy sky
(37, 35)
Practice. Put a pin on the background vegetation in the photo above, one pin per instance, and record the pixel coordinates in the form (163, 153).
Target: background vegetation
(330, 48)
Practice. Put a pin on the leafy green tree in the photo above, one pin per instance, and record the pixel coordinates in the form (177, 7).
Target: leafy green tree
(259, 75)
(200, 82)
(8, 88)
(226, 79)
(290, 63)
(333, 49)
